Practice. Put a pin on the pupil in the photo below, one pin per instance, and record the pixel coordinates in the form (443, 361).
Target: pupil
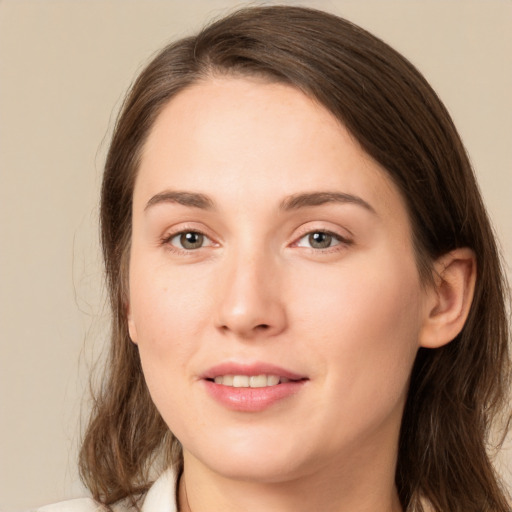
(320, 240)
(191, 240)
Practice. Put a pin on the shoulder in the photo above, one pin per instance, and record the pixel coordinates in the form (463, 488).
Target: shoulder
(77, 505)
(81, 505)
(160, 498)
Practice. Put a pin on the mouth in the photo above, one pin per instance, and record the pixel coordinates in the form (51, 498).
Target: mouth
(250, 375)
(253, 381)
(251, 387)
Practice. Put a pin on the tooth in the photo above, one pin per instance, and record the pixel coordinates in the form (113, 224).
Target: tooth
(227, 380)
(258, 381)
(244, 381)
(241, 381)
(272, 380)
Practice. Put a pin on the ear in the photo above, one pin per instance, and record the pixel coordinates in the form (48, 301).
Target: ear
(132, 329)
(449, 298)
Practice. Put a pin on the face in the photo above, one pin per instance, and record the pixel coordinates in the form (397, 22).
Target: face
(274, 294)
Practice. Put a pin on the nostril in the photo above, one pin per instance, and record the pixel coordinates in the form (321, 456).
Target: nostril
(263, 327)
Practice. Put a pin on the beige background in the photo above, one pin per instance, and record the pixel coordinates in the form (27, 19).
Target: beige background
(64, 66)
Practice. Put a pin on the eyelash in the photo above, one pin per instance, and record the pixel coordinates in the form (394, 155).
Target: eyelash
(342, 242)
(166, 241)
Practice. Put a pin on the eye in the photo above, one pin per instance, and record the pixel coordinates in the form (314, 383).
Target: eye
(320, 240)
(189, 240)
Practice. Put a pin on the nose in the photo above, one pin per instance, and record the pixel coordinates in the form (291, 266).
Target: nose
(251, 303)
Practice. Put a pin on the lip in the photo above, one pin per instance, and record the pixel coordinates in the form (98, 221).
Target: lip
(251, 399)
(249, 369)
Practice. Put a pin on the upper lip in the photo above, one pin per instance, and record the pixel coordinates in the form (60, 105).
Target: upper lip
(249, 369)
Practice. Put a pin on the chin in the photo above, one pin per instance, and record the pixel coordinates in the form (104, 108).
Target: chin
(251, 460)
(257, 471)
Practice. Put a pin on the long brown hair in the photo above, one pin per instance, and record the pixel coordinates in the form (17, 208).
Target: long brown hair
(457, 391)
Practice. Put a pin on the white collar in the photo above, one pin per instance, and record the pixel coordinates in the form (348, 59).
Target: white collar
(161, 497)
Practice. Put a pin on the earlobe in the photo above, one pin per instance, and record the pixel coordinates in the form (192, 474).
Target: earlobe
(132, 329)
(449, 298)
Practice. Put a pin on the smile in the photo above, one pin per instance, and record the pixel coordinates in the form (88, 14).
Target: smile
(251, 387)
(246, 381)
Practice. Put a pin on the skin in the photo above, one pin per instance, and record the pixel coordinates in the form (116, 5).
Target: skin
(349, 317)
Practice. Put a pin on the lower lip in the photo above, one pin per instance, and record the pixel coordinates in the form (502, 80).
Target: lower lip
(252, 399)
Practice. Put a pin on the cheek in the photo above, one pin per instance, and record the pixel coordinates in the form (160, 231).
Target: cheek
(169, 319)
(364, 322)
(369, 294)
(168, 309)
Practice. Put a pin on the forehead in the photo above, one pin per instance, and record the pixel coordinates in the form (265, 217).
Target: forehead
(243, 139)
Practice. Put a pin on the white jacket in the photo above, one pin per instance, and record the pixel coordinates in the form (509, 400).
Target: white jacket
(160, 498)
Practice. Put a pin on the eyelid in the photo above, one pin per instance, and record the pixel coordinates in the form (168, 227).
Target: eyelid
(180, 233)
(343, 240)
(310, 228)
(180, 229)
(313, 227)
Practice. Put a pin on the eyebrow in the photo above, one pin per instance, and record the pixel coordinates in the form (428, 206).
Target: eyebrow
(293, 202)
(297, 201)
(191, 199)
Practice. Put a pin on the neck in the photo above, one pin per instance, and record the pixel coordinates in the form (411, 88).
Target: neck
(354, 489)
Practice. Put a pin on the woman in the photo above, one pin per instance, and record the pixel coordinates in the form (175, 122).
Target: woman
(308, 306)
